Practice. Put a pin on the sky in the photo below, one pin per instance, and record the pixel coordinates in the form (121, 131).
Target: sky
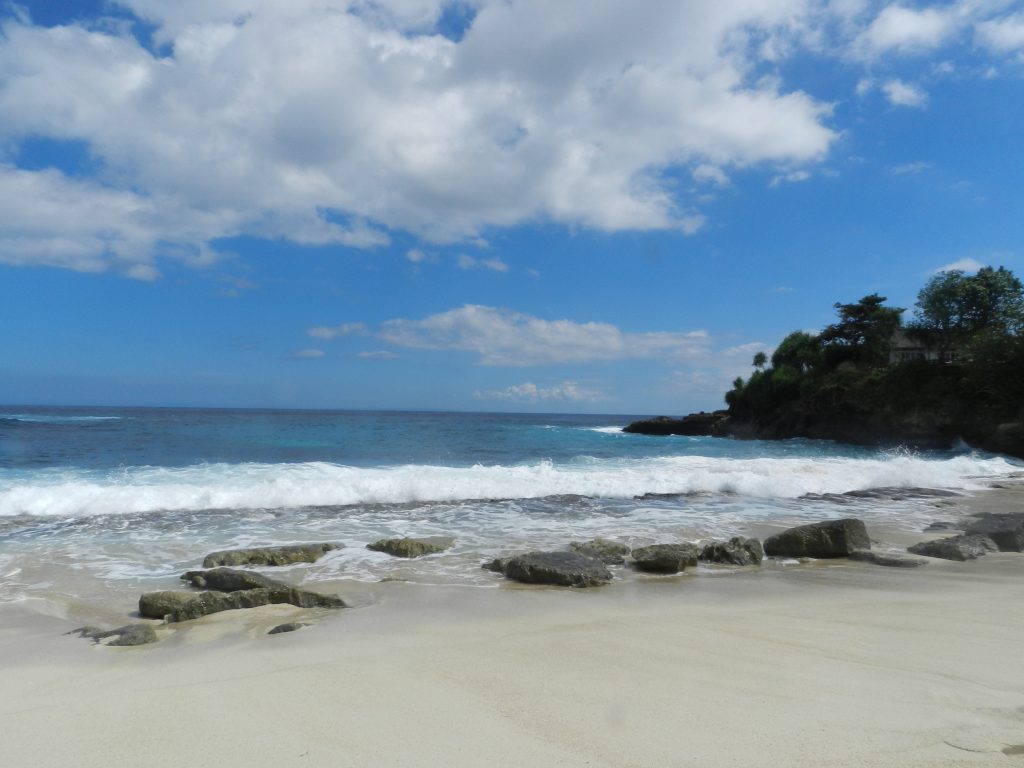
(484, 205)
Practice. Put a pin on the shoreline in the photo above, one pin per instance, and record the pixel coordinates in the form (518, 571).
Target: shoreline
(830, 663)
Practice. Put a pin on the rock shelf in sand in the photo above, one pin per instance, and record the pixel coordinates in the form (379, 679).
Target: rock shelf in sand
(288, 554)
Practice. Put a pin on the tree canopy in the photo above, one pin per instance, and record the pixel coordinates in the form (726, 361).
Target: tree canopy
(953, 308)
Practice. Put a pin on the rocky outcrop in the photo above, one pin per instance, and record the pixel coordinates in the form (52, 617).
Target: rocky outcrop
(665, 558)
(270, 556)
(890, 559)
(407, 547)
(735, 551)
(963, 547)
(831, 538)
(695, 424)
(231, 589)
(560, 569)
(608, 552)
(128, 635)
(1006, 530)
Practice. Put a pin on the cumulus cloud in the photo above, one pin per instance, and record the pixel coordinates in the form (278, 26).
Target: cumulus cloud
(910, 30)
(502, 337)
(903, 94)
(528, 392)
(337, 123)
(1003, 35)
(334, 331)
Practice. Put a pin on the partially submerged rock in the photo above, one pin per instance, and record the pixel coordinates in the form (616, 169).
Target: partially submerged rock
(270, 556)
(289, 626)
(498, 564)
(890, 559)
(831, 538)
(714, 423)
(608, 552)
(1006, 530)
(968, 546)
(560, 569)
(409, 547)
(665, 558)
(128, 635)
(735, 551)
(231, 580)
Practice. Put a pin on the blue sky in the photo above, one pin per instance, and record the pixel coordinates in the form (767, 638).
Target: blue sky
(589, 207)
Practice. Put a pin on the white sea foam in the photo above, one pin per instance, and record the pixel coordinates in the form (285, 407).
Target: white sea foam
(273, 486)
(40, 418)
(605, 430)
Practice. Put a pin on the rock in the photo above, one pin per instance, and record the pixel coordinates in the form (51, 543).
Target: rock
(290, 626)
(406, 547)
(269, 556)
(561, 569)
(498, 564)
(963, 547)
(130, 634)
(608, 552)
(702, 423)
(735, 551)
(943, 525)
(183, 606)
(231, 580)
(665, 558)
(1006, 530)
(831, 538)
(891, 559)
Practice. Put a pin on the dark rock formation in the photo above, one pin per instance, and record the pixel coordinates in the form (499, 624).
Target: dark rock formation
(1006, 530)
(881, 494)
(231, 580)
(665, 558)
(290, 626)
(130, 634)
(183, 606)
(269, 556)
(943, 525)
(891, 559)
(608, 552)
(715, 423)
(832, 538)
(406, 547)
(735, 551)
(963, 547)
(560, 569)
(498, 564)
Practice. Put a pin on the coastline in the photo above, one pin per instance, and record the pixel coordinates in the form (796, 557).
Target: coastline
(830, 663)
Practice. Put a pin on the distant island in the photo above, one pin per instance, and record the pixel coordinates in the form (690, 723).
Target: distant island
(955, 371)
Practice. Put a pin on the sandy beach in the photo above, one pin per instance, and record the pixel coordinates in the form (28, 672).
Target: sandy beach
(829, 663)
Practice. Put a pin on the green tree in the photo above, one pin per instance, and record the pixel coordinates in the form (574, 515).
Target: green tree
(760, 360)
(955, 309)
(798, 350)
(864, 331)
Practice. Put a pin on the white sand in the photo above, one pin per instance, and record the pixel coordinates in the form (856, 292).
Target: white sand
(842, 664)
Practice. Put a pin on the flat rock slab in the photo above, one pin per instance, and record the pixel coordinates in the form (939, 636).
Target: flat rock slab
(608, 552)
(560, 569)
(735, 551)
(408, 547)
(175, 605)
(128, 635)
(1006, 530)
(665, 558)
(270, 556)
(890, 559)
(231, 580)
(961, 548)
(830, 538)
(290, 626)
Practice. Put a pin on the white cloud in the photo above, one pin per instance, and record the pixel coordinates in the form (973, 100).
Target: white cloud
(1002, 35)
(465, 261)
(380, 354)
(710, 174)
(528, 392)
(962, 265)
(903, 94)
(415, 255)
(308, 354)
(909, 30)
(910, 169)
(332, 123)
(502, 337)
(792, 177)
(334, 331)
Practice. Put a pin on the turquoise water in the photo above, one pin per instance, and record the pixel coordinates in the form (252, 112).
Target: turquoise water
(133, 496)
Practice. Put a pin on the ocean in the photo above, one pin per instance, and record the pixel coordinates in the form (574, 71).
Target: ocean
(101, 502)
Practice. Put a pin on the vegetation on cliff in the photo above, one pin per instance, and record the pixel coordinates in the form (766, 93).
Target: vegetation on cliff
(955, 370)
